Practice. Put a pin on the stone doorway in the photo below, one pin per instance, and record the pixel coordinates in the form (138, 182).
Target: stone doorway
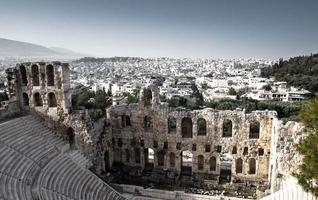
(225, 172)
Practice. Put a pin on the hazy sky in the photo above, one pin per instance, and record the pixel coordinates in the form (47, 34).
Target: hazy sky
(173, 28)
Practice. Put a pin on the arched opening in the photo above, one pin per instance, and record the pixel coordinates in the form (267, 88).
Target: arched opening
(161, 158)
(186, 127)
(147, 97)
(227, 128)
(24, 78)
(37, 99)
(148, 123)
(128, 123)
(71, 137)
(225, 172)
(254, 130)
(50, 75)
(212, 163)
(137, 155)
(106, 161)
(52, 100)
(252, 166)
(172, 125)
(25, 98)
(127, 155)
(201, 123)
(186, 163)
(35, 75)
(234, 150)
(239, 166)
(200, 162)
(149, 155)
(172, 159)
(245, 151)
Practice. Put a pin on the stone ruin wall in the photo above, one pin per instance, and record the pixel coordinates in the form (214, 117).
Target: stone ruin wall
(111, 136)
(135, 136)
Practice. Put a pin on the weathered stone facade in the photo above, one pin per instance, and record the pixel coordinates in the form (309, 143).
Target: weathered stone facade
(208, 146)
(240, 155)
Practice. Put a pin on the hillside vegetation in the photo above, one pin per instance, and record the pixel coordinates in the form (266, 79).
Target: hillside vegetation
(299, 71)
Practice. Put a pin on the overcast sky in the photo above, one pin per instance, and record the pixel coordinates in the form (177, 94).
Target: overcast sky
(172, 28)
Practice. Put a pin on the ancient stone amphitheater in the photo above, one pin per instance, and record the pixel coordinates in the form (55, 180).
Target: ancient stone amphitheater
(36, 164)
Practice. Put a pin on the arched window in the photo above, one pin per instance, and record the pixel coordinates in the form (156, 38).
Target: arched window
(35, 75)
(212, 162)
(254, 130)
(128, 123)
(245, 151)
(148, 123)
(71, 137)
(200, 162)
(137, 155)
(161, 158)
(147, 97)
(50, 75)
(127, 155)
(25, 97)
(186, 163)
(252, 166)
(227, 128)
(201, 123)
(23, 75)
(172, 159)
(234, 150)
(52, 100)
(239, 165)
(37, 99)
(172, 125)
(186, 126)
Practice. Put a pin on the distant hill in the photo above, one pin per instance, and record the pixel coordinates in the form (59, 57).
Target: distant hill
(301, 71)
(13, 48)
(111, 59)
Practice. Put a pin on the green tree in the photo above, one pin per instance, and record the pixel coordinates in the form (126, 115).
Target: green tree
(308, 172)
(232, 91)
(267, 87)
(134, 96)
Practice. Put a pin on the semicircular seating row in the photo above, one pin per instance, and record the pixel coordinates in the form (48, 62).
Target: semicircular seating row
(36, 164)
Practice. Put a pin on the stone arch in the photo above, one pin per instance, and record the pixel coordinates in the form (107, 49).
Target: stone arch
(23, 73)
(252, 166)
(227, 128)
(172, 125)
(212, 163)
(35, 75)
(71, 137)
(50, 75)
(137, 155)
(172, 159)
(161, 158)
(245, 151)
(147, 96)
(51, 100)
(147, 123)
(127, 155)
(239, 165)
(200, 162)
(186, 127)
(186, 163)
(37, 99)
(25, 98)
(201, 125)
(254, 130)
(234, 150)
